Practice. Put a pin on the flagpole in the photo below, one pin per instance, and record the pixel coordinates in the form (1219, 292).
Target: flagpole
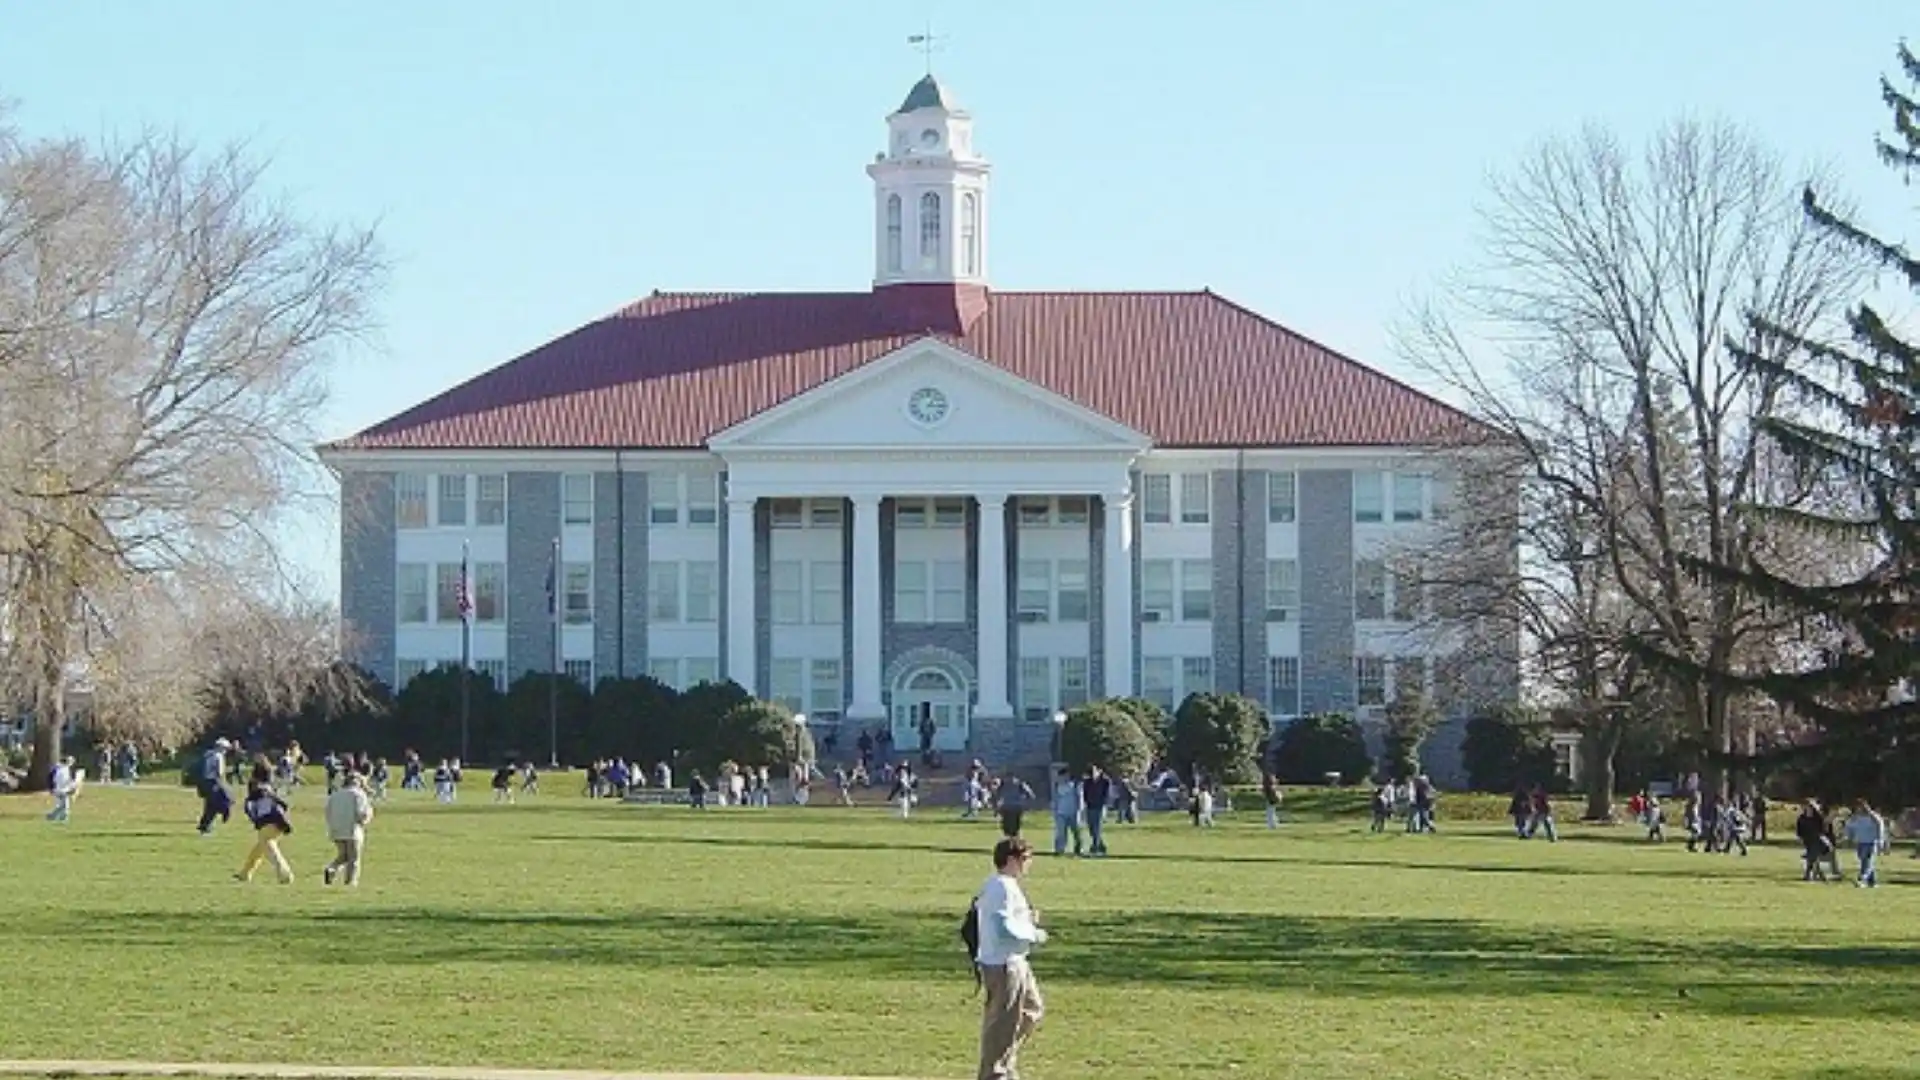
(466, 645)
(553, 677)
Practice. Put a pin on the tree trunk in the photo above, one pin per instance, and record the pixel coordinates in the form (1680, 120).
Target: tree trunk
(48, 722)
(1597, 751)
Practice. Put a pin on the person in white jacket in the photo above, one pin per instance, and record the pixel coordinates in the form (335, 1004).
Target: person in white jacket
(348, 812)
(65, 785)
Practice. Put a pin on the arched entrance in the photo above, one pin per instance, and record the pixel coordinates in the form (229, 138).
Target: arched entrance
(929, 692)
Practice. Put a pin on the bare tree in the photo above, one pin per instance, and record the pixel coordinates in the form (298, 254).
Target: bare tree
(1592, 345)
(165, 334)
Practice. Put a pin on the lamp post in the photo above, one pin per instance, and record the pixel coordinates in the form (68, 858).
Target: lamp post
(801, 770)
(1059, 730)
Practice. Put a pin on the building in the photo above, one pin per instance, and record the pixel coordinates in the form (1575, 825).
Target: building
(929, 497)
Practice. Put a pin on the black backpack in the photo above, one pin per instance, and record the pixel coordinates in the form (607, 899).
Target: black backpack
(970, 936)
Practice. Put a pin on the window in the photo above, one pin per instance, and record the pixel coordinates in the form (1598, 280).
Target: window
(1283, 590)
(1156, 590)
(893, 233)
(1196, 498)
(1409, 496)
(1369, 589)
(663, 499)
(577, 607)
(490, 500)
(825, 513)
(405, 671)
(1073, 509)
(489, 592)
(910, 592)
(663, 592)
(495, 671)
(823, 688)
(1407, 590)
(1283, 685)
(1196, 676)
(930, 231)
(1035, 596)
(1156, 681)
(787, 592)
(410, 500)
(703, 499)
(786, 513)
(665, 670)
(576, 499)
(580, 671)
(949, 513)
(1036, 687)
(446, 582)
(411, 592)
(1073, 595)
(1073, 681)
(702, 669)
(950, 591)
(453, 499)
(1369, 681)
(1369, 498)
(1282, 493)
(910, 513)
(1156, 499)
(703, 591)
(827, 607)
(1196, 590)
(1036, 511)
(969, 234)
(786, 683)
(1410, 675)
(1439, 498)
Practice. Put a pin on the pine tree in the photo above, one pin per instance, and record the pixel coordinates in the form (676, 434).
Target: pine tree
(1858, 432)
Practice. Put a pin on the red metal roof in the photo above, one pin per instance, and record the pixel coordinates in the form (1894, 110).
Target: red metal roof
(1187, 369)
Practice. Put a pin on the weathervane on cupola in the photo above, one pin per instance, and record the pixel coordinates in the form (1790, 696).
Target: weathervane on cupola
(928, 43)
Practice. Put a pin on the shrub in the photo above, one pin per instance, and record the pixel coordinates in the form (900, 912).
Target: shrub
(1410, 719)
(528, 728)
(1220, 734)
(1507, 748)
(1106, 734)
(1152, 719)
(426, 716)
(631, 717)
(695, 732)
(757, 733)
(1313, 746)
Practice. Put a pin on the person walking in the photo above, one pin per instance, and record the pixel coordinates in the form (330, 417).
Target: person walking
(63, 786)
(215, 802)
(1867, 832)
(348, 813)
(1008, 931)
(268, 812)
(1012, 804)
(1095, 790)
(1068, 809)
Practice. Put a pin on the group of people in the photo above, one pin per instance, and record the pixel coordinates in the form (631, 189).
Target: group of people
(1417, 801)
(346, 814)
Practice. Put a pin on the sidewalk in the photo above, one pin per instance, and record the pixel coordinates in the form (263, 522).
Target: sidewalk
(353, 1072)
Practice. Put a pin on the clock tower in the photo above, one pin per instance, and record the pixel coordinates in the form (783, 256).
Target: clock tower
(929, 194)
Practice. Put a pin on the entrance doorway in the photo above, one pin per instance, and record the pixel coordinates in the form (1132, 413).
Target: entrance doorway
(929, 693)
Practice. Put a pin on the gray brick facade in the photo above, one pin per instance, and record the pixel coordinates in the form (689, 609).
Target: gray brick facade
(619, 574)
(1239, 527)
(897, 640)
(1012, 600)
(368, 570)
(533, 521)
(1096, 598)
(762, 598)
(1325, 519)
(1253, 584)
(1139, 557)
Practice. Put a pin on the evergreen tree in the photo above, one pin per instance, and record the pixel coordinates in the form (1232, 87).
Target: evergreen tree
(1856, 687)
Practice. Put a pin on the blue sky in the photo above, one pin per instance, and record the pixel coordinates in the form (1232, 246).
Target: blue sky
(531, 166)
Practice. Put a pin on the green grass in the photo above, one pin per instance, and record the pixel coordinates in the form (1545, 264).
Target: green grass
(570, 933)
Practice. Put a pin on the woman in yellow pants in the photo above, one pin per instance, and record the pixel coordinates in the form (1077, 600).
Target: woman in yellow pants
(268, 812)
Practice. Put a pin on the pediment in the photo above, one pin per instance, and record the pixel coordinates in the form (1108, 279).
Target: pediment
(928, 395)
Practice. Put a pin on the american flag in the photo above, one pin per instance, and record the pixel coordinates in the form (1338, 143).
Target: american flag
(553, 596)
(463, 588)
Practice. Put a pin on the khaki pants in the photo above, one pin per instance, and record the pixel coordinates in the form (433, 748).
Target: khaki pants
(346, 856)
(1013, 1010)
(266, 846)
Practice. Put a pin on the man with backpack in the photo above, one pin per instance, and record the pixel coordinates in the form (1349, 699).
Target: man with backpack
(1000, 930)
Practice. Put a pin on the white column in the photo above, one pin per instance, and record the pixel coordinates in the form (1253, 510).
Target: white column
(993, 607)
(741, 624)
(1117, 594)
(866, 703)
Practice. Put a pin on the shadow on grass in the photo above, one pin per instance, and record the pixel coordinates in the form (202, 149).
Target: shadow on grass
(1332, 955)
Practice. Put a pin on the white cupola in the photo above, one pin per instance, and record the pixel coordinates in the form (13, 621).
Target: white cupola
(929, 194)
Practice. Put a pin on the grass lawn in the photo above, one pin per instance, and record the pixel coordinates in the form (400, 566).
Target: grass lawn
(568, 933)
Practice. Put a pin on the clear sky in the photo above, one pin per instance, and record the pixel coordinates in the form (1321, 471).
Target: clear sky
(533, 165)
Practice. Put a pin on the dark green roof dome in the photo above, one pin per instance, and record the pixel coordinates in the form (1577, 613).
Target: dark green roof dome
(926, 94)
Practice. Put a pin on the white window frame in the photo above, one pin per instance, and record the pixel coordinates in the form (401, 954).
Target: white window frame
(1364, 571)
(787, 592)
(412, 491)
(1369, 681)
(826, 593)
(1064, 610)
(576, 505)
(702, 606)
(1033, 591)
(402, 586)
(1283, 590)
(703, 500)
(1409, 497)
(701, 669)
(1156, 498)
(1035, 690)
(442, 482)
(920, 592)
(664, 585)
(787, 682)
(1196, 509)
(1283, 498)
(1369, 497)
(489, 592)
(1190, 570)
(580, 671)
(489, 510)
(1074, 681)
(826, 696)
(1159, 602)
(663, 499)
(1279, 702)
(576, 594)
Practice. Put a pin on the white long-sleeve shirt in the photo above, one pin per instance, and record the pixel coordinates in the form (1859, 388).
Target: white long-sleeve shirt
(348, 811)
(1007, 930)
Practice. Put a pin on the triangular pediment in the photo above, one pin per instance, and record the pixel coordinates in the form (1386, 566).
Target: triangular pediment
(928, 395)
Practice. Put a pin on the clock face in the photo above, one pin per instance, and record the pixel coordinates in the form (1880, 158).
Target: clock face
(929, 138)
(927, 405)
